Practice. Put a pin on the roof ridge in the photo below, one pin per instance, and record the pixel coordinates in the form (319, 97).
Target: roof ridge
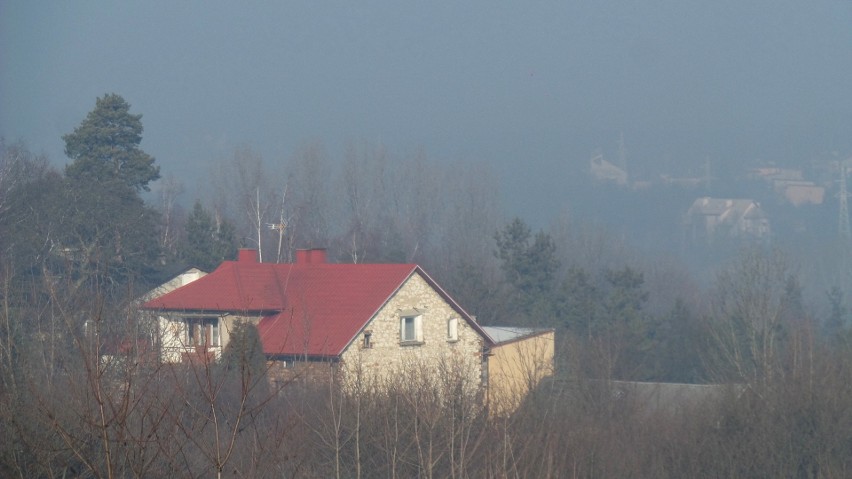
(238, 283)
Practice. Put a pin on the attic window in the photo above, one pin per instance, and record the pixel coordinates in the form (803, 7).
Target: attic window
(411, 329)
(368, 340)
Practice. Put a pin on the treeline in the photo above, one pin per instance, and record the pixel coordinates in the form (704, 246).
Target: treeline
(79, 398)
(71, 407)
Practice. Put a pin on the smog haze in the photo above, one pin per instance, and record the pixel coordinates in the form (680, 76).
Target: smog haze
(532, 89)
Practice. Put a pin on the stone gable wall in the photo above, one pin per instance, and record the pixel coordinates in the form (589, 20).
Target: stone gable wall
(389, 358)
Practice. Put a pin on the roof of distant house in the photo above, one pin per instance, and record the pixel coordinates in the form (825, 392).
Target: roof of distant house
(732, 207)
(182, 279)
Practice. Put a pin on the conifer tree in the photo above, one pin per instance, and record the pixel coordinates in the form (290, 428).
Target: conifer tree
(530, 265)
(105, 146)
(207, 244)
(105, 229)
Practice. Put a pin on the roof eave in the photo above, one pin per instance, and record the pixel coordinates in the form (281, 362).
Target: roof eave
(217, 311)
(449, 299)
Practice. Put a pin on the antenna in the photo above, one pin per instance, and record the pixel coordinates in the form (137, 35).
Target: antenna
(707, 173)
(281, 225)
(843, 227)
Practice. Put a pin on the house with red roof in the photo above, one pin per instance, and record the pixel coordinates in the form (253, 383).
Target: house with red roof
(375, 318)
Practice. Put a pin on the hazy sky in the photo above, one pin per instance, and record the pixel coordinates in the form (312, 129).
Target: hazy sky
(538, 83)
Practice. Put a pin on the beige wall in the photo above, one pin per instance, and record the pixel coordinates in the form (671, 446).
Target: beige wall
(515, 368)
(389, 358)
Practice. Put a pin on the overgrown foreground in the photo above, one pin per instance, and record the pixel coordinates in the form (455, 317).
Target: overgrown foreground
(64, 413)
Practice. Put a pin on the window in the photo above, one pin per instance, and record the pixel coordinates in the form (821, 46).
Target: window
(193, 332)
(410, 329)
(202, 332)
(453, 329)
(368, 340)
(214, 332)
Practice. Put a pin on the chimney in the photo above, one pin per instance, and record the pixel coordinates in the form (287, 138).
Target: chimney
(246, 255)
(310, 256)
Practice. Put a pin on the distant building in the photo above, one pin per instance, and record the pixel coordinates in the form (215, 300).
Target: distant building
(791, 185)
(716, 218)
(771, 174)
(603, 170)
(802, 193)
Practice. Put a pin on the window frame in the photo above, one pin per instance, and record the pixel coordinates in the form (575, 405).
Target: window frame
(416, 328)
(204, 331)
(453, 330)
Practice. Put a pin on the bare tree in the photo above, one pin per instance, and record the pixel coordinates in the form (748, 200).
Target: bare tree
(364, 189)
(17, 166)
(170, 190)
(751, 303)
(309, 180)
(254, 195)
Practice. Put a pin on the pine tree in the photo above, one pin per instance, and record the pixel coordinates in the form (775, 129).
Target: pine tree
(104, 229)
(244, 350)
(529, 263)
(207, 244)
(105, 146)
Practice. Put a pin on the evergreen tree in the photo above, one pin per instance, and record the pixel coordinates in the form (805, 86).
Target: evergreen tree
(104, 229)
(631, 329)
(581, 304)
(682, 343)
(626, 297)
(529, 263)
(207, 243)
(105, 146)
(244, 350)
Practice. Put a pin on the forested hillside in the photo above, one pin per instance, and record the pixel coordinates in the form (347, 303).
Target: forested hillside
(80, 245)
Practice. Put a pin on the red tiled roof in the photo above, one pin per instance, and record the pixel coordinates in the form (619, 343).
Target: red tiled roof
(312, 309)
(308, 308)
(234, 286)
(327, 305)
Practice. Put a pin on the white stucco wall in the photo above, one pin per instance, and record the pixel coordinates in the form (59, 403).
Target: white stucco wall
(173, 333)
